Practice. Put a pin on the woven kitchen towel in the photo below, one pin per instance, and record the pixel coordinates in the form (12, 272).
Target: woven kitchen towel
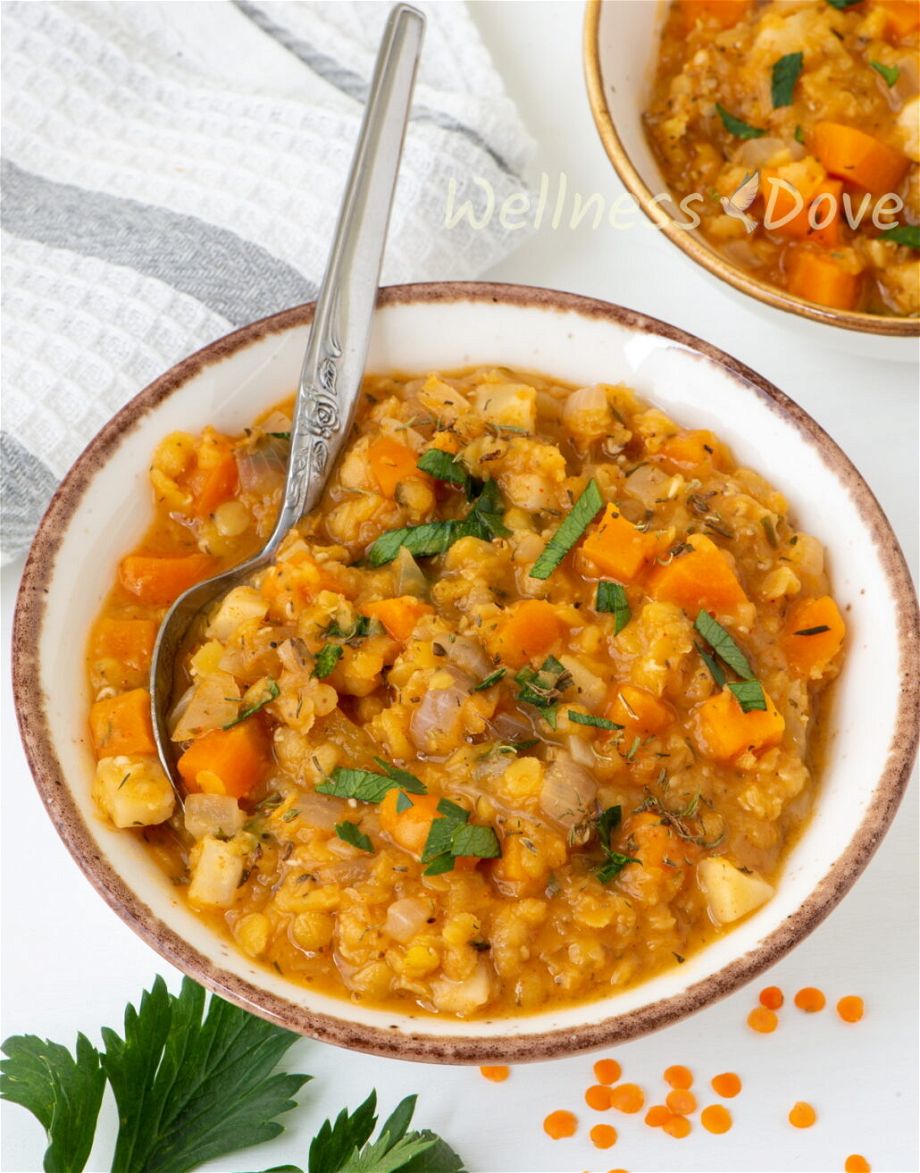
(172, 171)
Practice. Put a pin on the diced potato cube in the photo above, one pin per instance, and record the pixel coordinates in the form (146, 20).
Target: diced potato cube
(512, 404)
(133, 792)
(465, 996)
(217, 869)
(213, 814)
(241, 603)
(730, 893)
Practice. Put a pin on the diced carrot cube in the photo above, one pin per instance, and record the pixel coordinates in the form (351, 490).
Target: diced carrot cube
(689, 450)
(213, 486)
(809, 654)
(408, 828)
(128, 640)
(618, 549)
(723, 730)
(725, 13)
(228, 761)
(398, 616)
(781, 202)
(698, 579)
(821, 279)
(162, 580)
(527, 629)
(392, 462)
(638, 710)
(902, 17)
(121, 724)
(859, 158)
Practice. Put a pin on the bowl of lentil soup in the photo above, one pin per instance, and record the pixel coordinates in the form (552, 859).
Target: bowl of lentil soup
(501, 734)
(776, 143)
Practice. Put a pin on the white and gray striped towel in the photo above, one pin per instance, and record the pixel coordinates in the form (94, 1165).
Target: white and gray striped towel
(172, 171)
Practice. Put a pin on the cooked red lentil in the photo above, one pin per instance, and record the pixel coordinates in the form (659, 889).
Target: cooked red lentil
(524, 712)
(819, 99)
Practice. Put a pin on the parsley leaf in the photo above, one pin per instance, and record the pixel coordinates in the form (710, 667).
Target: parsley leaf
(192, 1088)
(908, 234)
(587, 719)
(273, 692)
(453, 835)
(434, 537)
(542, 687)
(737, 126)
(366, 786)
(359, 630)
(785, 74)
(842, 5)
(326, 659)
(351, 833)
(611, 597)
(614, 861)
(613, 865)
(583, 512)
(749, 695)
(715, 671)
(723, 645)
(445, 467)
(61, 1091)
(471, 839)
(799, 135)
(888, 73)
(607, 822)
(488, 681)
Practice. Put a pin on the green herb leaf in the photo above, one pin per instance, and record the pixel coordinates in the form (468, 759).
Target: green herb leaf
(723, 645)
(453, 835)
(842, 5)
(61, 1091)
(785, 74)
(542, 687)
(888, 73)
(613, 865)
(326, 659)
(583, 512)
(908, 234)
(799, 135)
(614, 861)
(406, 780)
(715, 670)
(596, 722)
(820, 629)
(192, 1085)
(366, 786)
(279, 435)
(351, 833)
(445, 467)
(488, 681)
(435, 537)
(403, 802)
(336, 1143)
(736, 126)
(749, 695)
(359, 629)
(471, 839)
(273, 692)
(611, 596)
(607, 822)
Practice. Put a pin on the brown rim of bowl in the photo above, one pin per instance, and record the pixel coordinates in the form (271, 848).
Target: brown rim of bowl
(692, 244)
(417, 1045)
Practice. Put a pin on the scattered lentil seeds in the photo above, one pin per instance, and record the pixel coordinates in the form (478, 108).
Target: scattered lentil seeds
(656, 1115)
(598, 1097)
(607, 1071)
(850, 1008)
(679, 1076)
(627, 1097)
(681, 1102)
(727, 1085)
(495, 1074)
(678, 1127)
(762, 1020)
(810, 999)
(716, 1118)
(802, 1115)
(603, 1136)
(772, 997)
(856, 1163)
(560, 1124)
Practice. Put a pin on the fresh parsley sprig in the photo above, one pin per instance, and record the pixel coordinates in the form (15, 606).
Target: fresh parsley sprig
(443, 466)
(611, 597)
(452, 835)
(542, 687)
(326, 659)
(368, 786)
(907, 234)
(784, 76)
(749, 691)
(484, 521)
(737, 126)
(583, 512)
(614, 861)
(272, 693)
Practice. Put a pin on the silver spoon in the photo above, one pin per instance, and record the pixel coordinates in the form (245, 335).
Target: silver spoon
(333, 365)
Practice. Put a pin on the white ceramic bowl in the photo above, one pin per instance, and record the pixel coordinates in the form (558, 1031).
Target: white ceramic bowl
(104, 505)
(621, 40)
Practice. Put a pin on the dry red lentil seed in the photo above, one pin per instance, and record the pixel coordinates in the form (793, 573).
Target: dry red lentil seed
(627, 1097)
(607, 1071)
(851, 1008)
(772, 997)
(679, 1076)
(598, 1097)
(856, 1163)
(495, 1074)
(560, 1124)
(762, 1020)
(656, 1115)
(681, 1102)
(810, 999)
(716, 1118)
(678, 1127)
(802, 1115)
(727, 1085)
(603, 1136)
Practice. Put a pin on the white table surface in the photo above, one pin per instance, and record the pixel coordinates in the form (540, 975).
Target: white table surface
(70, 964)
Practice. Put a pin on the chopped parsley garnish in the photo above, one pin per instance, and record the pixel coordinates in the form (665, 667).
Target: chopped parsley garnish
(888, 73)
(488, 681)
(819, 630)
(279, 435)
(611, 597)
(326, 659)
(403, 802)
(749, 695)
(452, 835)
(273, 692)
(435, 537)
(583, 512)
(712, 664)
(596, 722)
(723, 645)
(736, 126)
(785, 74)
(908, 234)
(366, 786)
(358, 630)
(614, 861)
(799, 135)
(351, 833)
(542, 687)
(445, 467)
(841, 5)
